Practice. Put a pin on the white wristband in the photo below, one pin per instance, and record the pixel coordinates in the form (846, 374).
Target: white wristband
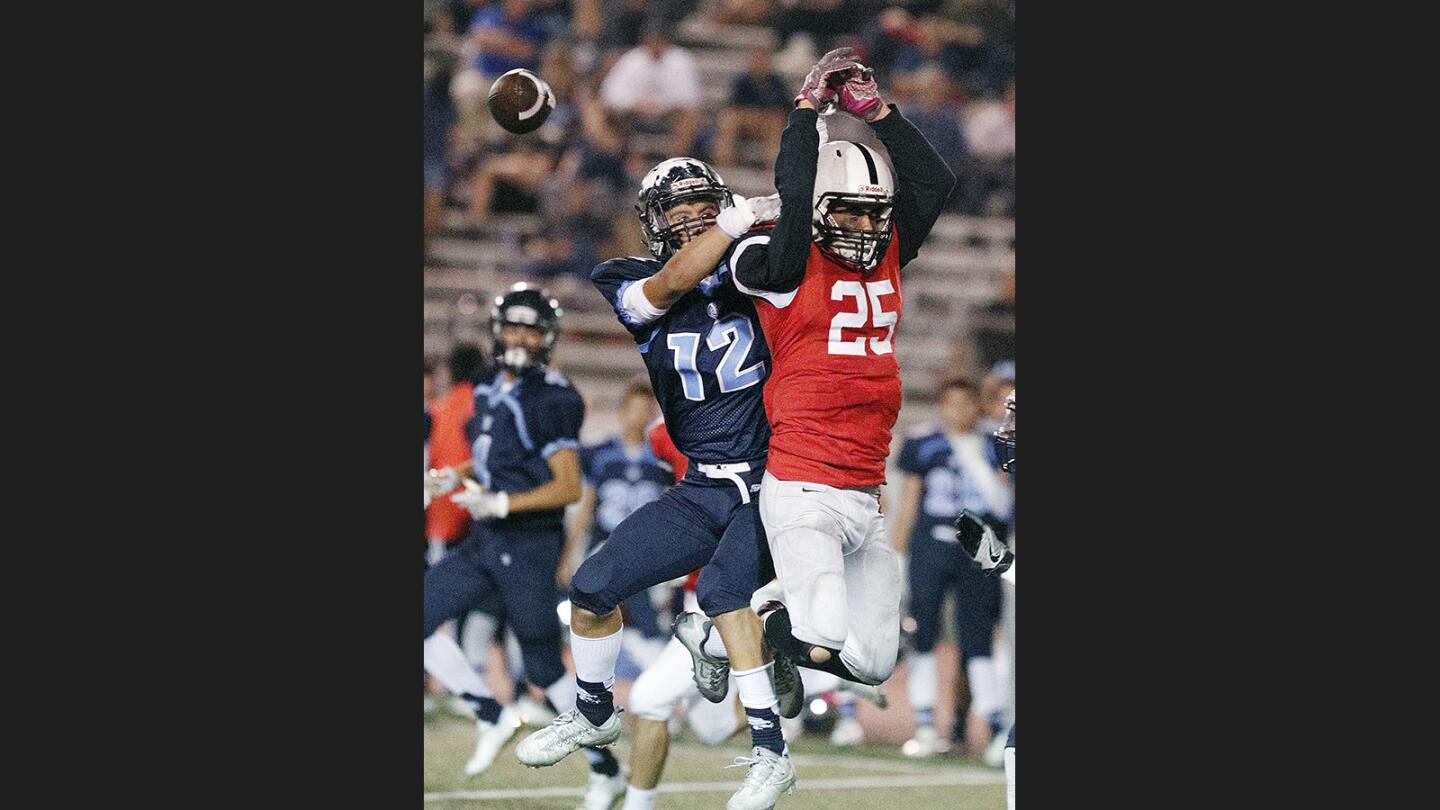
(502, 504)
(736, 219)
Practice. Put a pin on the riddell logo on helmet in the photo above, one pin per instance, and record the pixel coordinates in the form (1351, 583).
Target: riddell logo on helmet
(690, 182)
(874, 190)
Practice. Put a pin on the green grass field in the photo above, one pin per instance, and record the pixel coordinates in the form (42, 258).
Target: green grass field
(870, 777)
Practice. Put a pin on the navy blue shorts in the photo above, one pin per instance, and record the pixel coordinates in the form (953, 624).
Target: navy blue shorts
(698, 522)
(936, 567)
(513, 571)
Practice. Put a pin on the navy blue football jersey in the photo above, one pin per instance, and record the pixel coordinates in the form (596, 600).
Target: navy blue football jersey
(945, 486)
(514, 432)
(707, 360)
(623, 482)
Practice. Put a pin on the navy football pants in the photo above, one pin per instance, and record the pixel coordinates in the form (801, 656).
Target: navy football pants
(519, 567)
(936, 567)
(698, 522)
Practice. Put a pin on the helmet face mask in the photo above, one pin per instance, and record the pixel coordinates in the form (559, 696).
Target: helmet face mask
(852, 179)
(859, 249)
(672, 183)
(527, 306)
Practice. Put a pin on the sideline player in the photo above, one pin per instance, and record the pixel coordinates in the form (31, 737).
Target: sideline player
(995, 559)
(948, 468)
(524, 437)
(707, 363)
(826, 285)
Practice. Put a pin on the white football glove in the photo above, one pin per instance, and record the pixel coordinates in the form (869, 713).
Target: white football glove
(766, 209)
(982, 544)
(482, 505)
(439, 482)
(736, 219)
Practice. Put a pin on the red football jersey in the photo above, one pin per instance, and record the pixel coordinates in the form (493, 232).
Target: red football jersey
(834, 392)
(666, 450)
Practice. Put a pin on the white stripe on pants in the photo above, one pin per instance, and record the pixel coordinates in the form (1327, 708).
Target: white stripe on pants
(840, 577)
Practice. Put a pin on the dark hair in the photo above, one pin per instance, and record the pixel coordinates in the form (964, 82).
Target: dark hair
(466, 362)
(962, 383)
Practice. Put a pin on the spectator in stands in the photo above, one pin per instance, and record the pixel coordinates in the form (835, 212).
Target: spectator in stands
(990, 133)
(759, 102)
(657, 86)
(994, 323)
(591, 183)
(559, 250)
(511, 181)
(822, 19)
(935, 111)
(440, 118)
(506, 35)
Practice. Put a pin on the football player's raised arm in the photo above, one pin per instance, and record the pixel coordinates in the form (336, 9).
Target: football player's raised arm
(910, 488)
(788, 247)
(923, 181)
(561, 490)
(696, 260)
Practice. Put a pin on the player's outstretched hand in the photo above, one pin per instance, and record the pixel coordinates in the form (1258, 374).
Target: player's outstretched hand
(858, 95)
(481, 504)
(439, 482)
(817, 87)
(982, 544)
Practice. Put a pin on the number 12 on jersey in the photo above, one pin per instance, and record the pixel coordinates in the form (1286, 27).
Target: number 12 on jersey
(739, 335)
(852, 320)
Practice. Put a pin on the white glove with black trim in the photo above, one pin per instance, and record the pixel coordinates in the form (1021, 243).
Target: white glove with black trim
(439, 482)
(982, 544)
(482, 505)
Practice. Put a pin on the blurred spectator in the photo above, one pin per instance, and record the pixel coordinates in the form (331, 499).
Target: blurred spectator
(657, 86)
(592, 182)
(506, 35)
(558, 250)
(623, 21)
(440, 117)
(990, 133)
(989, 63)
(511, 181)
(822, 18)
(934, 110)
(759, 102)
(994, 324)
(744, 12)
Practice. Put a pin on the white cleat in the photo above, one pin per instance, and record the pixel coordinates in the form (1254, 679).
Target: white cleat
(711, 674)
(847, 733)
(770, 775)
(924, 744)
(564, 736)
(533, 713)
(493, 737)
(603, 791)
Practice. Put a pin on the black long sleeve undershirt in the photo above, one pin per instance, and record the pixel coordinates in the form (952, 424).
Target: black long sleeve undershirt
(923, 184)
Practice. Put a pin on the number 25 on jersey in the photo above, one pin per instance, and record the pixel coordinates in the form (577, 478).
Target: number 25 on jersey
(870, 311)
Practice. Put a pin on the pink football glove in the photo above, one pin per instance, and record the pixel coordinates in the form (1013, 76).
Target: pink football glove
(818, 88)
(858, 95)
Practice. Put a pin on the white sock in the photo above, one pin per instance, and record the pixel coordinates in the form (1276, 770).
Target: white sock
(1009, 778)
(595, 657)
(639, 799)
(984, 686)
(714, 645)
(562, 694)
(756, 690)
(446, 661)
(923, 681)
(476, 638)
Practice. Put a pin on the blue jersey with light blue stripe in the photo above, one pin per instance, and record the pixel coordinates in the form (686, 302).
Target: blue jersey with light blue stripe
(623, 481)
(515, 431)
(707, 360)
(945, 488)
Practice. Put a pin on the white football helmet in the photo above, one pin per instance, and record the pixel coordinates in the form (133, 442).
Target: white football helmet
(852, 177)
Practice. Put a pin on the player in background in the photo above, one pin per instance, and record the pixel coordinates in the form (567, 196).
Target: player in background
(707, 363)
(826, 286)
(446, 522)
(994, 557)
(523, 471)
(622, 474)
(948, 468)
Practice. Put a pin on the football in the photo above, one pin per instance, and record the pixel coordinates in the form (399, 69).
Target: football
(520, 101)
